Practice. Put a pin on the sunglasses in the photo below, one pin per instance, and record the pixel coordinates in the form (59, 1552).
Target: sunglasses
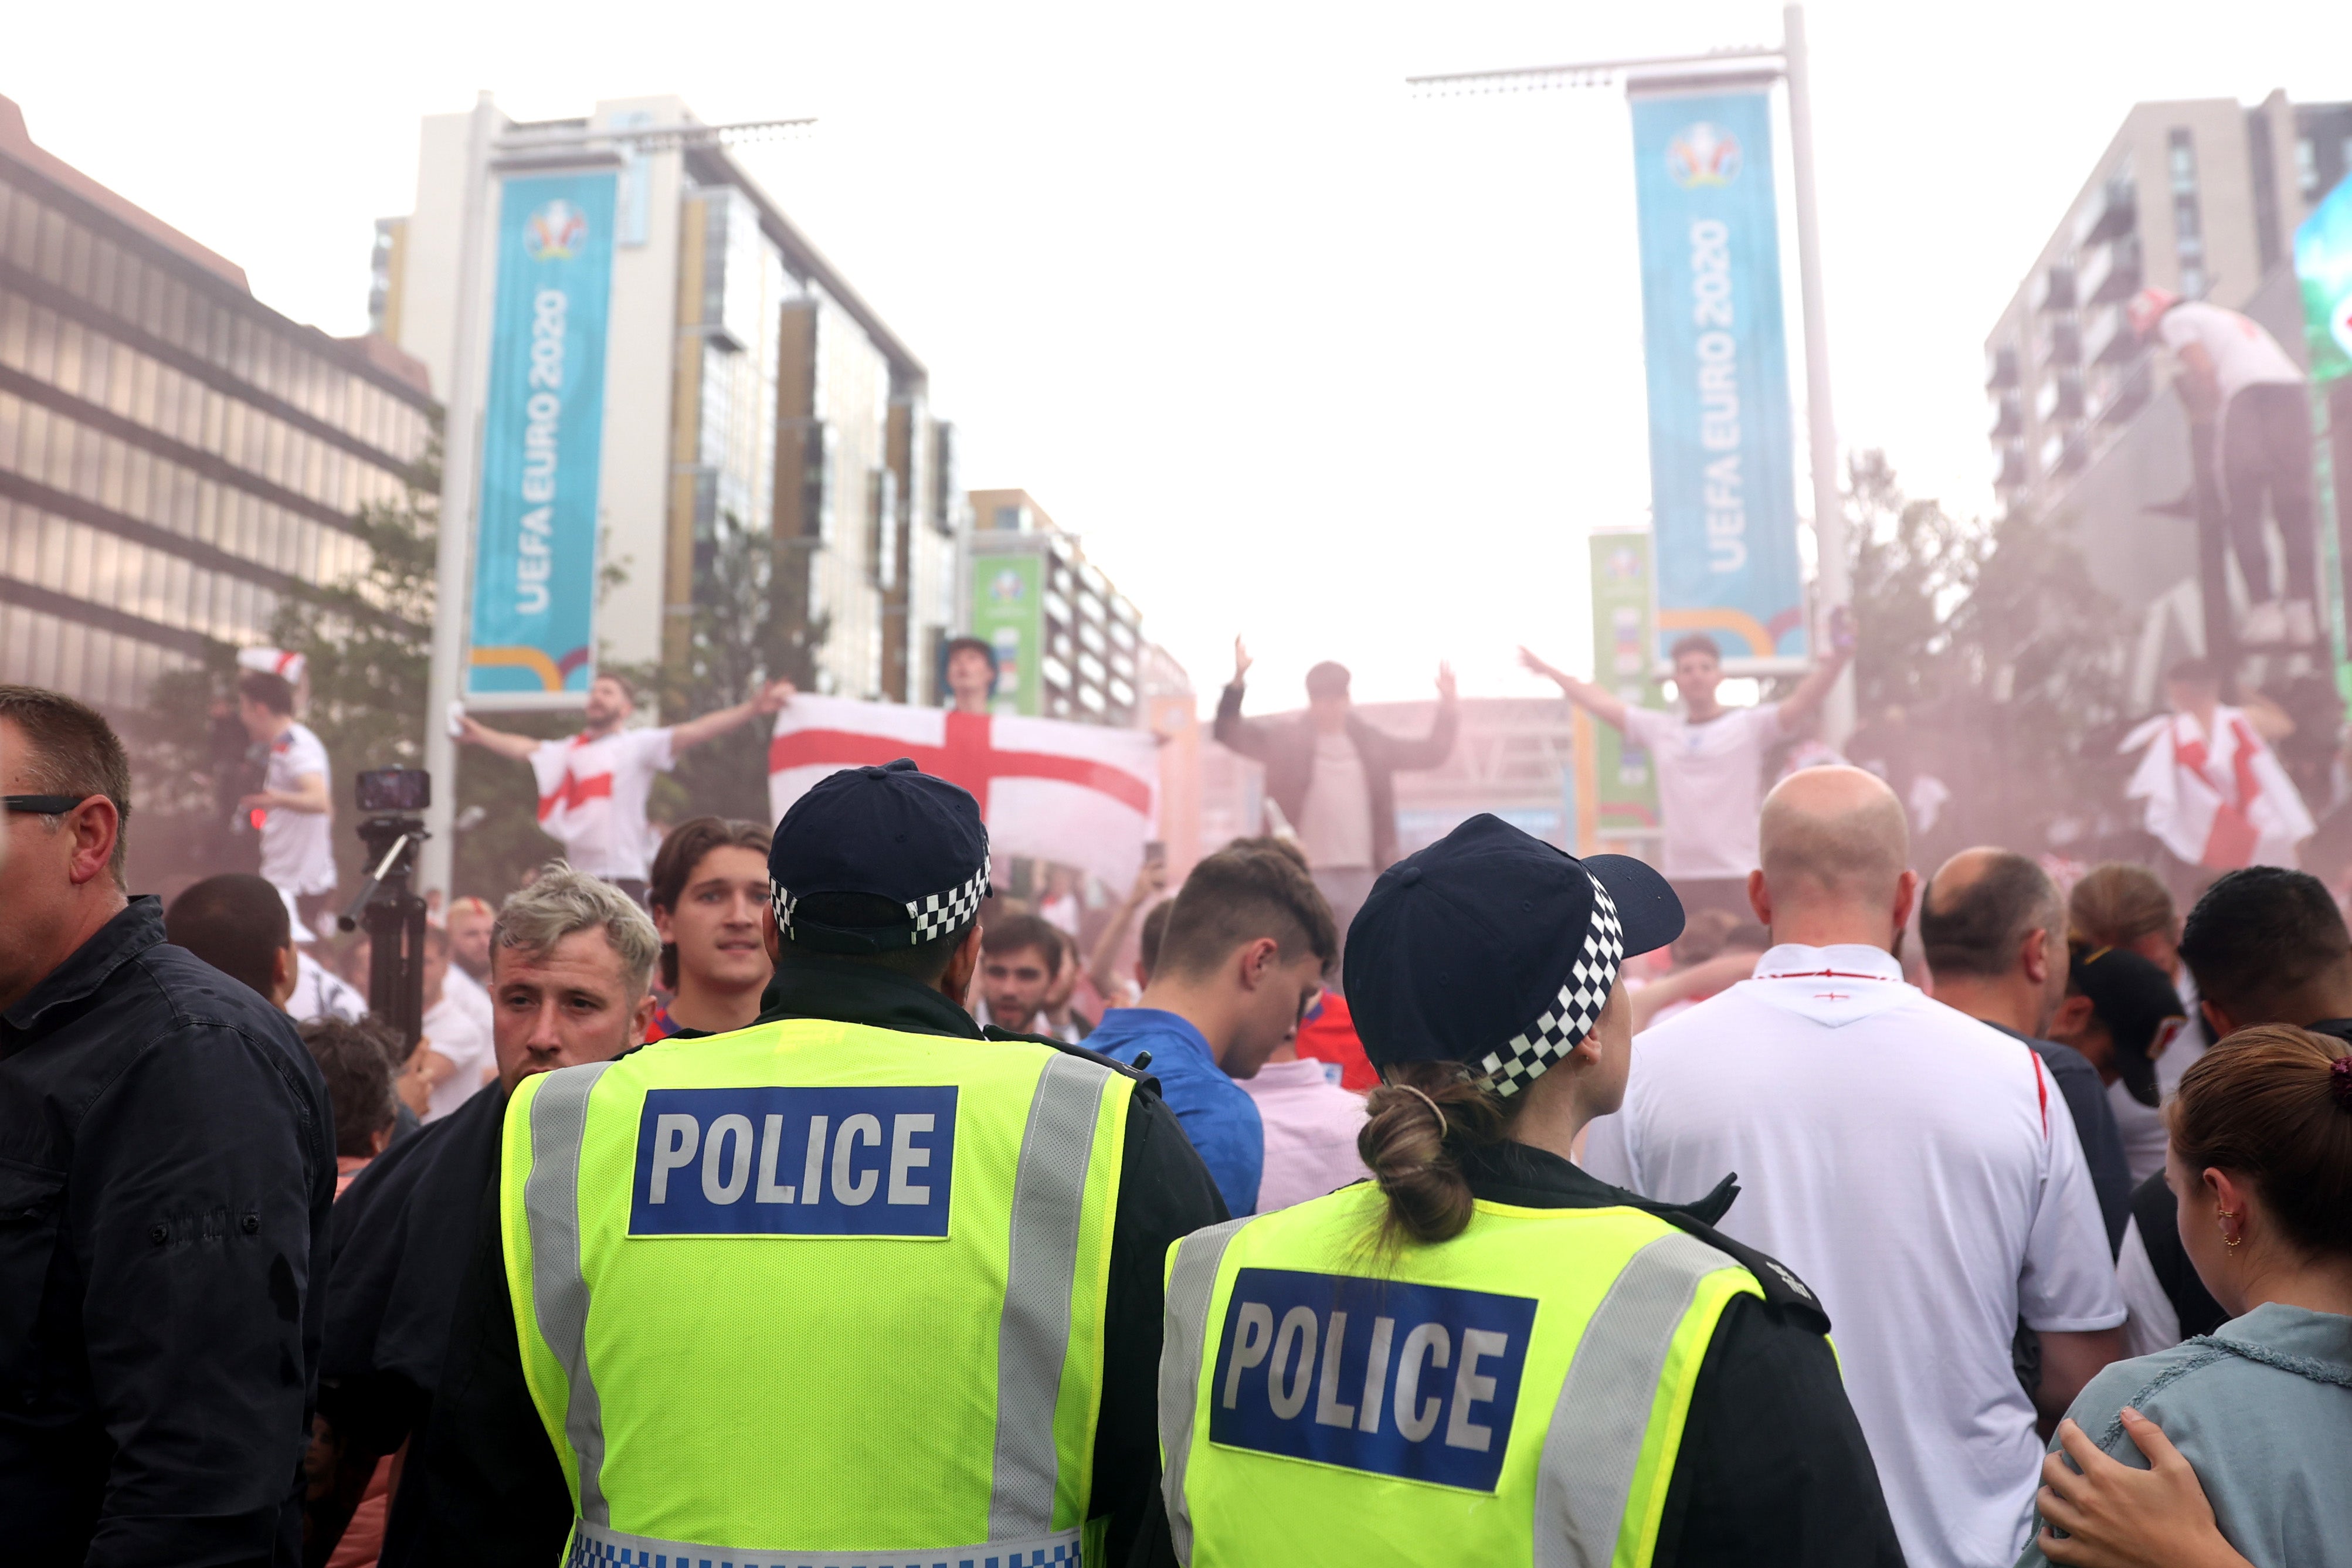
(42, 805)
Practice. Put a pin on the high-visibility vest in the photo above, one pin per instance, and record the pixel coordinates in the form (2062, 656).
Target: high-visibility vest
(817, 1294)
(1514, 1396)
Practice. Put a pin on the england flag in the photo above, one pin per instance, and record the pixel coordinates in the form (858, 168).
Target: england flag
(1079, 794)
(2220, 803)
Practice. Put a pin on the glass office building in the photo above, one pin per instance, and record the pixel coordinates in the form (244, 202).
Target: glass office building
(174, 455)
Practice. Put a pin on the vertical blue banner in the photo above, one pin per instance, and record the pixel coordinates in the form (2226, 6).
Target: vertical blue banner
(543, 433)
(1722, 442)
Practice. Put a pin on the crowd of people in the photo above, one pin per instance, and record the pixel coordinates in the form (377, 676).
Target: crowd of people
(1800, 1204)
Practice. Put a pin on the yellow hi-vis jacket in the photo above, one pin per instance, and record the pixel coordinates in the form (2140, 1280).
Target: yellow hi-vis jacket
(1514, 1396)
(817, 1294)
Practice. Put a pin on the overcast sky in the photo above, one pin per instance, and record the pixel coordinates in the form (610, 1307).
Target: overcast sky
(1301, 356)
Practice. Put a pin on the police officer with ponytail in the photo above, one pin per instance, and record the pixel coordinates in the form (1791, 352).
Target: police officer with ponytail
(1483, 1355)
(860, 1283)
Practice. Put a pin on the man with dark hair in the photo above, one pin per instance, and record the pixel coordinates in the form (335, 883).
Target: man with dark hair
(2265, 946)
(1019, 957)
(592, 788)
(971, 671)
(1708, 759)
(1992, 927)
(294, 807)
(1249, 940)
(876, 878)
(355, 1060)
(1333, 775)
(238, 923)
(168, 1158)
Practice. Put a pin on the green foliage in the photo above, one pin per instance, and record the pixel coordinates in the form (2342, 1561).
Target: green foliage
(735, 647)
(1999, 644)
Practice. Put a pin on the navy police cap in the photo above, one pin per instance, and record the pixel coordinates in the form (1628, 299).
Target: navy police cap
(1495, 950)
(892, 833)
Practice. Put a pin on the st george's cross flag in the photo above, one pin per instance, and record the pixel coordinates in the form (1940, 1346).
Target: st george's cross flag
(2221, 802)
(1077, 794)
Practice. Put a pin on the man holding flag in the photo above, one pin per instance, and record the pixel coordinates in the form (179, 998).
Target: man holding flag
(592, 788)
(2215, 796)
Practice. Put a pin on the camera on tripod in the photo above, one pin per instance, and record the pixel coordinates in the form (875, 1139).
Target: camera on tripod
(386, 905)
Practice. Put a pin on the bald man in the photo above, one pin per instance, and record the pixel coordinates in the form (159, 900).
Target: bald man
(1992, 926)
(1911, 1164)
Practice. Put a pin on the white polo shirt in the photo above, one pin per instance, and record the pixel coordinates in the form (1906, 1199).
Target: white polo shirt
(1918, 1170)
(2242, 351)
(592, 799)
(1710, 785)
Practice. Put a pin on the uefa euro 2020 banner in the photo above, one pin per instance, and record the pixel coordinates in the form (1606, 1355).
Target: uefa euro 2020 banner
(1722, 451)
(542, 433)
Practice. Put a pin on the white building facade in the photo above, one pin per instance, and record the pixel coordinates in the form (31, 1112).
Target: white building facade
(748, 387)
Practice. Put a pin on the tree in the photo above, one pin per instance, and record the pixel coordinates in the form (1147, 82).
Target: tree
(735, 643)
(2001, 650)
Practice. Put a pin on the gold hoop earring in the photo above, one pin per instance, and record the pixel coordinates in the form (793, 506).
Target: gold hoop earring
(2227, 1239)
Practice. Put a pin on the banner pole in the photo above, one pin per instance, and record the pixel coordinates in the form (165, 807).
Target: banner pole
(453, 564)
(1834, 579)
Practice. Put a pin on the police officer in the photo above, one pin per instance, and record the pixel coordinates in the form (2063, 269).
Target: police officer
(857, 1284)
(1485, 1355)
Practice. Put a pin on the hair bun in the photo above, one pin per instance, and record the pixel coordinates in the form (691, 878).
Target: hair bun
(2339, 1082)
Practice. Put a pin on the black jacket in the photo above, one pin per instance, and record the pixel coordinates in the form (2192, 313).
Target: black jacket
(495, 1494)
(2095, 1129)
(1286, 747)
(167, 1160)
(1773, 1468)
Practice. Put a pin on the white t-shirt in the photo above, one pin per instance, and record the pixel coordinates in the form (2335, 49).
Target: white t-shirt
(1920, 1172)
(321, 993)
(1334, 821)
(454, 1029)
(592, 798)
(2244, 352)
(298, 848)
(1710, 785)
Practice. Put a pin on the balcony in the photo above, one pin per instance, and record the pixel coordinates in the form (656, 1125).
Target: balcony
(2000, 369)
(2052, 289)
(2108, 338)
(2060, 398)
(2126, 394)
(2008, 416)
(2111, 212)
(2007, 465)
(2113, 271)
(2059, 342)
(2064, 453)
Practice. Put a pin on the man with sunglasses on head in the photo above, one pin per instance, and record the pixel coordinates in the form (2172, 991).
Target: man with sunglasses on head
(167, 1158)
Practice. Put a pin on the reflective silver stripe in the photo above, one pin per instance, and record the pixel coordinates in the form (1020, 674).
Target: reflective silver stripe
(594, 1546)
(1032, 1339)
(559, 1289)
(1183, 1344)
(1594, 1444)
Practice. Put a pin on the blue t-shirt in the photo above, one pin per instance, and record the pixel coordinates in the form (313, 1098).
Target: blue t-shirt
(1217, 1113)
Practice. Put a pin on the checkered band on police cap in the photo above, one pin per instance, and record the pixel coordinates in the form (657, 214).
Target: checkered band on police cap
(933, 915)
(1530, 1053)
(939, 914)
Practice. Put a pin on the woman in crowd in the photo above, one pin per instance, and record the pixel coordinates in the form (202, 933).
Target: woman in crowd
(708, 886)
(1488, 1355)
(2258, 1412)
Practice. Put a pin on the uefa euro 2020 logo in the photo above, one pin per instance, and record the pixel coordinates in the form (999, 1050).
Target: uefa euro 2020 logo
(1703, 154)
(556, 230)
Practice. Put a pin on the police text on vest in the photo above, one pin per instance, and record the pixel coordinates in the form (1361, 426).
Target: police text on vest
(1414, 1380)
(795, 1161)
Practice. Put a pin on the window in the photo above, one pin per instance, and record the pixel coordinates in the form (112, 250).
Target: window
(2306, 169)
(2187, 226)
